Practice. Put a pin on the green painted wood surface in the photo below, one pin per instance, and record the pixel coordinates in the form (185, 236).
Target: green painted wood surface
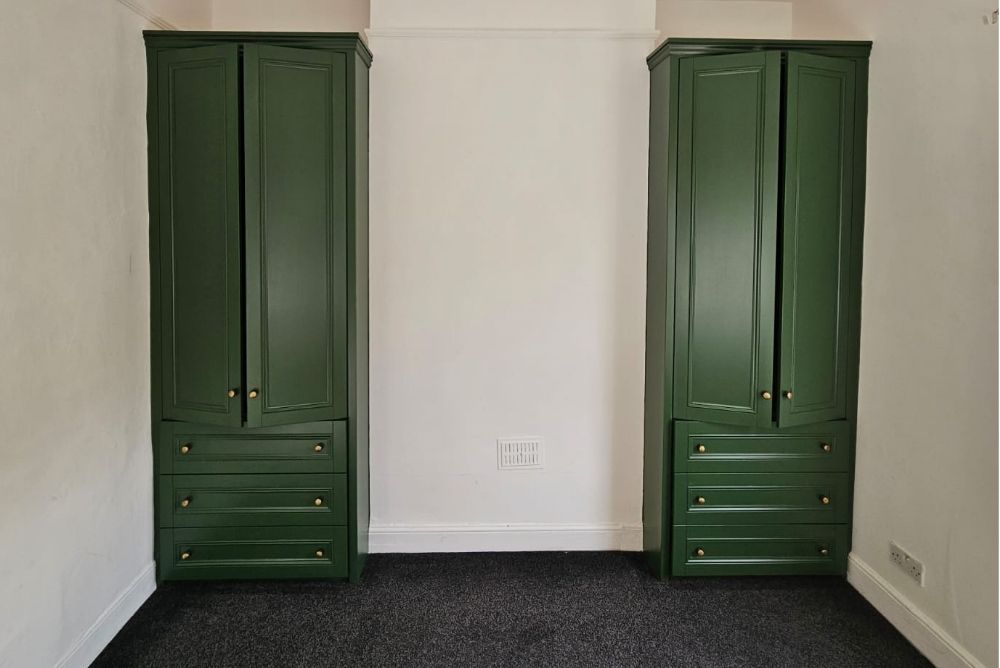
(783, 437)
(760, 498)
(357, 314)
(190, 448)
(295, 163)
(224, 553)
(726, 237)
(761, 550)
(711, 448)
(255, 500)
(197, 189)
(816, 241)
(657, 408)
(285, 140)
(679, 47)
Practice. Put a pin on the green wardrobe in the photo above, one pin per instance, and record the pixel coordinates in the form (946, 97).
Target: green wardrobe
(756, 203)
(258, 173)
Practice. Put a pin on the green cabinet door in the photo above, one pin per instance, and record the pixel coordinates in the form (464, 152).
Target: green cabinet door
(198, 188)
(815, 265)
(296, 206)
(727, 197)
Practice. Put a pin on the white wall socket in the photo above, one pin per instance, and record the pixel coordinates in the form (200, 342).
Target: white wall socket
(910, 566)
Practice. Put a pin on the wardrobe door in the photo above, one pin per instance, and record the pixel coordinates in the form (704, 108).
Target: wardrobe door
(296, 180)
(198, 188)
(815, 265)
(727, 196)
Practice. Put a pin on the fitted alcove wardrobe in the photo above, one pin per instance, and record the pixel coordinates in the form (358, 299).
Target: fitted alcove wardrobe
(756, 207)
(258, 174)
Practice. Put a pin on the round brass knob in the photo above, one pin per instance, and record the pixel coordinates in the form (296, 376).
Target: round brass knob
(185, 556)
(701, 447)
(185, 502)
(318, 447)
(318, 501)
(252, 394)
(826, 447)
(823, 551)
(232, 393)
(788, 394)
(825, 500)
(699, 552)
(319, 554)
(186, 448)
(765, 395)
(700, 500)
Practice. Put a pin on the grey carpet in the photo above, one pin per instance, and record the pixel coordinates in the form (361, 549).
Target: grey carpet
(511, 609)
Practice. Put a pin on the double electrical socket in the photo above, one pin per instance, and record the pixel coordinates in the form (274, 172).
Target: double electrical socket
(910, 566)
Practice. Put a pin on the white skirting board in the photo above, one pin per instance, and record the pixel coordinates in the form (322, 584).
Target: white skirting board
(934, 642)
(90, 643)
(504, 537)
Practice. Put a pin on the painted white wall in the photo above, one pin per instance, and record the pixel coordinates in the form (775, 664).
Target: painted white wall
(290, 15)
(76, 519)
(927, 428)
(181, 14)
(759, 19)
(507, 272)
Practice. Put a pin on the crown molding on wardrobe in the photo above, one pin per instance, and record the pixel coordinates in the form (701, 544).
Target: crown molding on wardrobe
(934, 642)
(483, 537)
(146, 13)
(511, 33)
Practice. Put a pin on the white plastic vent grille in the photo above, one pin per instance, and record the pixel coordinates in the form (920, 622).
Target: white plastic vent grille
(520, 453)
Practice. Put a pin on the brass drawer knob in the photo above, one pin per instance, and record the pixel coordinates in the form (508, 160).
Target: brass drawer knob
(253, 394)
(699, 552)
(701, 448)
(318, 501)
(185, 556)
(318, 447)
(825, 500)
(824, 552)
(319, 554)
(232, 393)
(185, 502)
(186, 448)
(788, 394)
(765, 395)
(700, 500)
(826, 447)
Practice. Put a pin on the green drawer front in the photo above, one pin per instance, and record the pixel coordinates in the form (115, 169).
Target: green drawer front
(253, 500)
(761, 498)
(761, 550)
(318, 447)
(708, 448)
(260, 552)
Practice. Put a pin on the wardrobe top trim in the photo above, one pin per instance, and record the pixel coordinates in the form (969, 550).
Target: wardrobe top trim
(177, 39)
(702, 46)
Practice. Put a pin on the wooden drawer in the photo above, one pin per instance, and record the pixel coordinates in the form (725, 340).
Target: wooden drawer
(761, 498)
(253, 500)
(317, 447)
(761, 550)
(708, 448)
(259, 552)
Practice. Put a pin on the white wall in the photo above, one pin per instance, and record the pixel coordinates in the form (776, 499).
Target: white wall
(758, 19)
(180, 14)
(290, 15)
(507, 284)
(927, 428)
(76, 519)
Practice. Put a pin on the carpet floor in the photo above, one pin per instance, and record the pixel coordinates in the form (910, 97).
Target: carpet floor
(511, 609)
